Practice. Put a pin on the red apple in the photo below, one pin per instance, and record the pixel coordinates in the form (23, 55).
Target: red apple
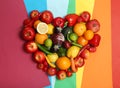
(39, 56)
(85, 16)
(46, 16)
(61, 74)
(93, 25)
(85, 54)
(30, 47)
(51, 71)
(69, 73)
(35, 14)
(28, 33)
(79, 62)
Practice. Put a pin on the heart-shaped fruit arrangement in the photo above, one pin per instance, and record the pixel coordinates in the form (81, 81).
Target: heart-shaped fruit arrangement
(60, 45)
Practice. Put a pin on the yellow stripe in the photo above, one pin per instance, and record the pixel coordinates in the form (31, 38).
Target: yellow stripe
(83, 5)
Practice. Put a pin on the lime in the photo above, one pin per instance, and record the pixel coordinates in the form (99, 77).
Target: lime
(73, 37)
(42, 28)
(48, 42)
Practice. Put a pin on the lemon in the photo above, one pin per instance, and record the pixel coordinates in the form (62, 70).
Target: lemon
(42, 28)
(50, 29)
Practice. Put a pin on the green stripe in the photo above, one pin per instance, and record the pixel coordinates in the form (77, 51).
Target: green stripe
(71, 6)
(69, 82)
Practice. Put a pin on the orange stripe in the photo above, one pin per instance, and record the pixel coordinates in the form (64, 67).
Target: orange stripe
(98, 68)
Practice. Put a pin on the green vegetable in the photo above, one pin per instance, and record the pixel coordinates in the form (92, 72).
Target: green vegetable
(61, 51)
(66, 30)
(73, 43)
(42, 48)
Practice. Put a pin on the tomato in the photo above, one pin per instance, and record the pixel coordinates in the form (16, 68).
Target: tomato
(58, 22)
(72, 19)
(28, 33)
(46, 17)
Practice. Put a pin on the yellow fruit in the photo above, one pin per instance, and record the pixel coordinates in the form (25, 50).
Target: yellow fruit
(72, 52)
(51, 64)
(88, 34)
(36, 23)
(52, 57)
(40, 38)
(82, 41)
(50, 29)
(42, 28)
(63, 63)
(79, 28)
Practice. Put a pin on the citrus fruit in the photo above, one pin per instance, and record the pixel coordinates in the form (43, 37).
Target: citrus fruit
(82, 41)
(50, 29)
(36, 23)
(42, 28)
(88, 34)
(48, 42)
(40, 38)
(79, 28)
(73, 51)
(73, 37)
(63, 63)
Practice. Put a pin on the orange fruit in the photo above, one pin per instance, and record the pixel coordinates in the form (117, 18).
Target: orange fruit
(82, 41)
(63, 63)
(36, 23)
(88, 34)
(40, 38)
(79, 28)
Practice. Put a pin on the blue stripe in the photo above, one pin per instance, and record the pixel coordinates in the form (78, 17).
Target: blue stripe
(58, 7)
(39, 5)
